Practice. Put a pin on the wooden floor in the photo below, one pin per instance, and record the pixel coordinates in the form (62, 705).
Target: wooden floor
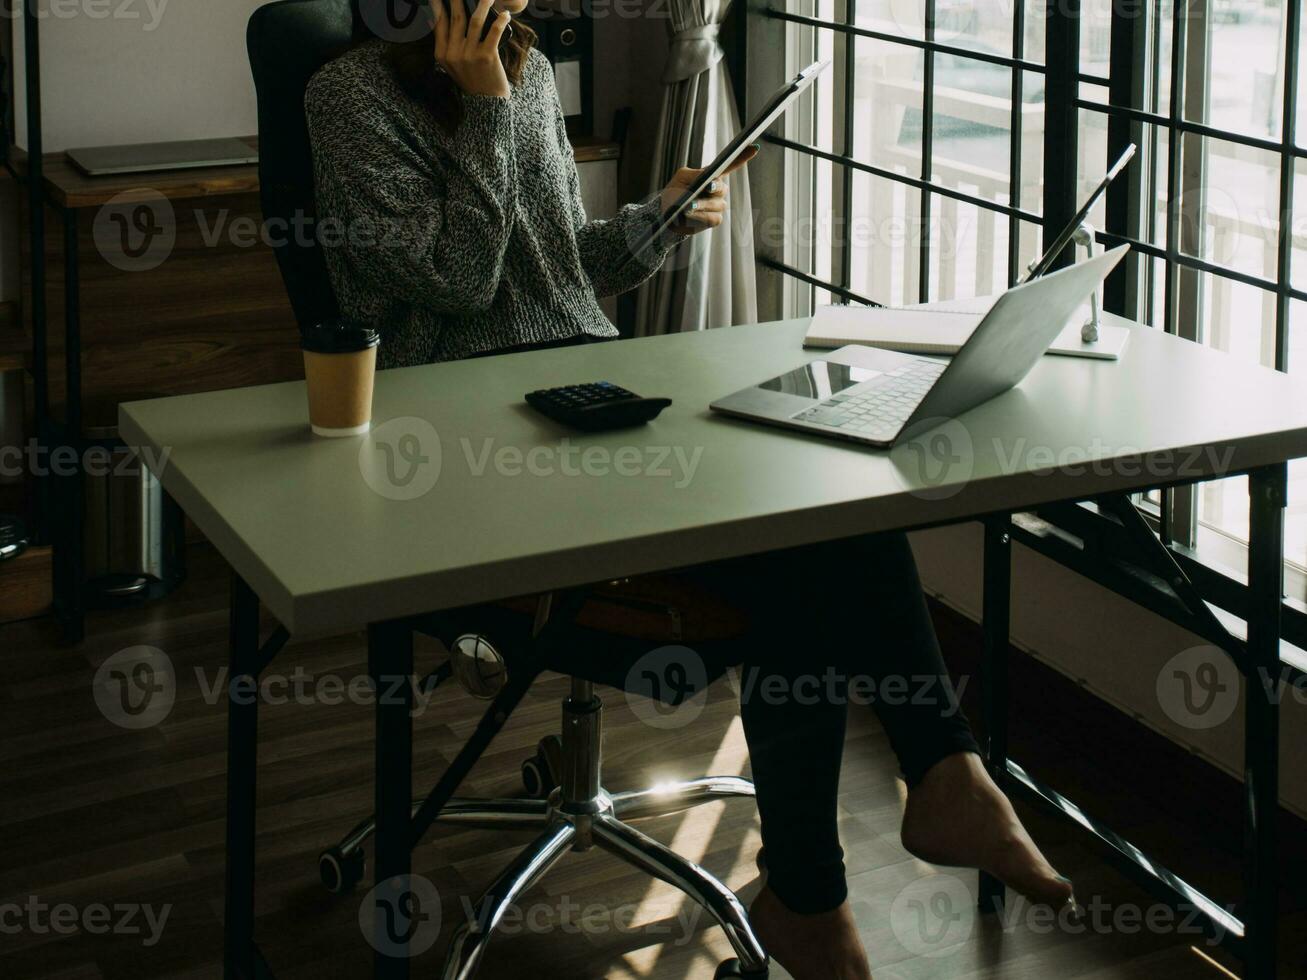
(93, 813)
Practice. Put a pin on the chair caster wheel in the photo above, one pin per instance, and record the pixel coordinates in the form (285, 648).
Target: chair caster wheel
(731, 970)
(542, 773)
(533, 780)
(340, 872)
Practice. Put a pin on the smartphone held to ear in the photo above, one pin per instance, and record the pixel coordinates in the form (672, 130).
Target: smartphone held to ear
(470, 6)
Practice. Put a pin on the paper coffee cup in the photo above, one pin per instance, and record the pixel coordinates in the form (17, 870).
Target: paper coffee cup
(340, 366)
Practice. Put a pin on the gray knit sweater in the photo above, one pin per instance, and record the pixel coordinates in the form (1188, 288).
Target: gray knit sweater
(454, 245)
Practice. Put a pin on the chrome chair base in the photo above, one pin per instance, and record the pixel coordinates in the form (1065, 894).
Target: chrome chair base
(577, 816)
(604, 827)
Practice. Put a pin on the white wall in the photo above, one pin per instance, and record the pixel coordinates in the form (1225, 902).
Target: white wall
(1111, 647)
(176, 69)
(156, 70)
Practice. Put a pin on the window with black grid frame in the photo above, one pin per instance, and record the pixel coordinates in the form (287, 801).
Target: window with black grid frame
(916, 171)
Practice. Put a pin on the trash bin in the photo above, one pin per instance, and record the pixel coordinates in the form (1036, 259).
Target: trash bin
(132, 531)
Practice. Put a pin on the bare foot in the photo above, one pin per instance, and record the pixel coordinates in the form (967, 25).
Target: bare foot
(958, 817)
(810, 947)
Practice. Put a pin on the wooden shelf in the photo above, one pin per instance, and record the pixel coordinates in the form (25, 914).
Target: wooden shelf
(588, 149)
(68, 187)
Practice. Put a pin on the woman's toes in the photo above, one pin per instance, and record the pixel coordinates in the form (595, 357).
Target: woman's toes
(958, 817)
(1018, 863)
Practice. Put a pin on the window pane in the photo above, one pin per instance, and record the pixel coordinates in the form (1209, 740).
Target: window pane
(1154, 161)
(1160, 35)
(1230, 197)
(1092, 163)
(1235, 318)
(973, 127)
(1030, 195)
(812, 119)
(1300, 130)
(1298, 268)
(1239, 51)
(1223, 517)
(1036, 21)
(885, 235)
(1239, 320)
(969, 256)
(804, 238)
(979, 26)
(906, 17)
(1096, 37)
(887, 105)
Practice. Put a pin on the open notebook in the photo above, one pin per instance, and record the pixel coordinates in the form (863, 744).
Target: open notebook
(941, 328)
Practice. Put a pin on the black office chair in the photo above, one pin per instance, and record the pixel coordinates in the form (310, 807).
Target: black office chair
(288, 42)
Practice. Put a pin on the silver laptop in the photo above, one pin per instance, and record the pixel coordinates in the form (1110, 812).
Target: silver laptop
(879, 397)
(101, 161)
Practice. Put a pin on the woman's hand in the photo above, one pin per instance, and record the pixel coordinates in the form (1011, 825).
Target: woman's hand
(472, 63)
(708, 210)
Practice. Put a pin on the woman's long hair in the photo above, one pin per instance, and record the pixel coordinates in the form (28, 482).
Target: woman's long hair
(414, 64)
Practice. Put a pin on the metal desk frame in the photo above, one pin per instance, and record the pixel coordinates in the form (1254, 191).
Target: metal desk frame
(1252, 935)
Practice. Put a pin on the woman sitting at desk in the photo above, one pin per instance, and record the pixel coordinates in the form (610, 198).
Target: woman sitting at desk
(456, 161)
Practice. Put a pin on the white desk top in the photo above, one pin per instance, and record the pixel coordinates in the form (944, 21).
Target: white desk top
(545, 508)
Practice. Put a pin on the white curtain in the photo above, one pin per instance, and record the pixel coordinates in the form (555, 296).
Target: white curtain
(708, 281)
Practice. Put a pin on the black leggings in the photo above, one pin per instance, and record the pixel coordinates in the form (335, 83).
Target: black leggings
(829, 625)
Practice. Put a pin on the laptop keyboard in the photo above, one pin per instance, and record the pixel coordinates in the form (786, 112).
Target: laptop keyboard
(877, 408)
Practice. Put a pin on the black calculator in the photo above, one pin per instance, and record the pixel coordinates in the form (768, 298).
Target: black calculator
(596, 406)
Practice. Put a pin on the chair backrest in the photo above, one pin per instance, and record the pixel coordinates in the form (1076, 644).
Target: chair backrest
(288, 41)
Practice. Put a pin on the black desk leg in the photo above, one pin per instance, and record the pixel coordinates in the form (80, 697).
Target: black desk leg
(397, 915)
(996, 615)
(1267, 490)
(74, 605)
(242, 760)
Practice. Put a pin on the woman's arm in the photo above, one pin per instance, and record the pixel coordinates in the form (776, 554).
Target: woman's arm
(432, 231)
(605, 246)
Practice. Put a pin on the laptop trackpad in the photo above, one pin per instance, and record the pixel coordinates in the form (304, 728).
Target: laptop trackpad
(820, 380)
